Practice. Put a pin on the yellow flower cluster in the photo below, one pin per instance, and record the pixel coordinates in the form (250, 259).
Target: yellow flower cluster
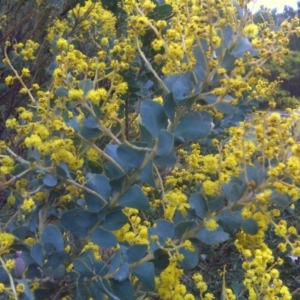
(6, 240)
(95, 248)
(134, 232)
(169, 286)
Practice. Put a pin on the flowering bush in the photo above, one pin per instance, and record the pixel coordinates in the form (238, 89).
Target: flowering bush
(137, 178)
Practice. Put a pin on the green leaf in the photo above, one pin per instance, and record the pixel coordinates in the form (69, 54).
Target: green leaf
(134, 198)
(181, 85)
(251, 173)
(190, 260)
(165, 143)
(230, 221)
(198, 204)
(90, 133)
(103, 238)
(147, 176)
(215, 203)
(166, 161)
(61, 92)
(111, 150)
(169, 106)
(123, 289)
(115, 220)
(83, 268)
(210, 99)
(163, 11)
(161, 259)
(183, 227)
(228, 61)
(234, 190)
(86, 85)
(227, 35)
(123, 272)
(146, 136)
(164, 229)
(145, 274)
(90, 122)
(116, 261)
(136, 253)
(243, 45)
(78, 221)
(153, 117)
(280, 200)
(165, 150)
(49, 180)
(250, 226)
(225, 108)
(36, 252)
(63, 170)
(52, 235)
(131, 157)
(192, 127)
(100, 185)
(212, 237)
(237, 288)
(27, 295)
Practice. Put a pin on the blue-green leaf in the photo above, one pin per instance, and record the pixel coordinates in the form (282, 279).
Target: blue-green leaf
(183, 227)
(165, 143)
(145, 274)
(212, 237)
(52, 235)
(190, 260)
(192, 127)
(83, 268)
(163, 229)
(234, 189)
(100, 185)
(227, 35)
(61, 92)
(90, 133)
(280, 200)
(90, 122)
(36, 252)
(123, 289)
(153, 117)
(225, 108)
(169, 106)
(86, 85)
(198, 204)
(103, 238)
(123, 272)
(129, 156)
(250, 226)
(243, 45)
(49, 180)
(210, 98)
(147, 176)
(115, 220)
(63, 170)
(134, 198)
(136, 252)
(181, 85)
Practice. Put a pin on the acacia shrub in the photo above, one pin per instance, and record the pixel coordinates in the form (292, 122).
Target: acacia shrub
(126, 188)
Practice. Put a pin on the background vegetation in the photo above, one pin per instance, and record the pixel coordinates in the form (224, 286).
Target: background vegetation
(127, 171)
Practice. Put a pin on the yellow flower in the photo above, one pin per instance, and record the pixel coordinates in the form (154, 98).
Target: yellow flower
(25, 72)
(2, 287)
(28, 205)
(10, 264)
(250, 31)
(211, 224)
(20, 288)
